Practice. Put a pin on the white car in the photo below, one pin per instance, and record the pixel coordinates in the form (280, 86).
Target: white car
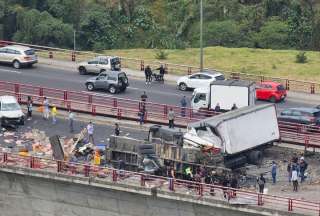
(10, 111)
(198, 80)
(18, 56)
(99, 64)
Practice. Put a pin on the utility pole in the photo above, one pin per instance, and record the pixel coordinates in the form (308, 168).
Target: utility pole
(74, 40)
(201, 34)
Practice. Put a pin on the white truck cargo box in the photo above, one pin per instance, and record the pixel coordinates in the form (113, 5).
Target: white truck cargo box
(229, 92)
(243, 129)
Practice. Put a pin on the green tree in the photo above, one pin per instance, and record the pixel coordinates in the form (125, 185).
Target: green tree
(273, 34)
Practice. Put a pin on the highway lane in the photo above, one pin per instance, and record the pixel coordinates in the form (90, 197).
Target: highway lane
(42, 75)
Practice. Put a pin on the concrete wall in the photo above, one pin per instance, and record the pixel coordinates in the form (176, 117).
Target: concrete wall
(26, 195)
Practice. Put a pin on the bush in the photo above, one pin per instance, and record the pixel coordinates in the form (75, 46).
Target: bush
(161, 54)
(301, 57)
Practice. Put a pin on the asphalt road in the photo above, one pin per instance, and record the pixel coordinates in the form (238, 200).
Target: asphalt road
(46, 76)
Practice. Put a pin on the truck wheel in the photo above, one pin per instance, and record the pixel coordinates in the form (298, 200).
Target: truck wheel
(183, 87)
(82, 70)
(16, 64)
(273, 99)
(90, 86)
(112, 89)
(255, 157)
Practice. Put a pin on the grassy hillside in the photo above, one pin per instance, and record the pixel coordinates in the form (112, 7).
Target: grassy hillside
(276, 63)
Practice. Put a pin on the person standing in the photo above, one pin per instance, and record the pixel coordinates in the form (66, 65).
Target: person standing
(54, 114)
(141, 116)
(289, 170)
(303, 167)
(71, 120)
(234, 107)
(116, 129)
(274, 172)
(143, 99)
(162, 71)
(217, 108)
(294, 179)
(46, 108)
(183, 103)
(90, 129)
(171, 118)
(261, 182)
(148, 74)
(29, 108)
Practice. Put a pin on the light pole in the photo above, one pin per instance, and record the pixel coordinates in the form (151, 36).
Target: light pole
(74, 40)
(201, 40)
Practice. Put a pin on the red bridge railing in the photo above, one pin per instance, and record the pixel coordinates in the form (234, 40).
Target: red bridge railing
(197, 190)
(120, 108)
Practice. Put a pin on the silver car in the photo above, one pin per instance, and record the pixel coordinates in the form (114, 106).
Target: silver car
(18, 56)
(113, 81)
(99, 64)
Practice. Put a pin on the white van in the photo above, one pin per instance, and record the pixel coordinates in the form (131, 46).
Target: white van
(10, 111)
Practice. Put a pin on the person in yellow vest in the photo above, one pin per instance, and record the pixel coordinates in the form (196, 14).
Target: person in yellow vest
(97, 158)
(54, 114)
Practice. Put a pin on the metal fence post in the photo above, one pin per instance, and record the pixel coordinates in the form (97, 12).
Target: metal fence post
(93, 110)
(171, 184)
(189, 71)
(142, 181)
(65, 96)
(50, 54)
(114, 175)
(5, 157)
(287, 84)
(40, 92)
(73, 56)
(59, 166)
(200, 189)
(119, 113)
(86, 170)
(312, 88)
(142, 65)
(259, 199)
(115, 102)
(31, 162)
(290, 205)
(90, 99)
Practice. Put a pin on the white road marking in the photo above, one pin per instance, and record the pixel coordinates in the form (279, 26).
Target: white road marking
(10, 71)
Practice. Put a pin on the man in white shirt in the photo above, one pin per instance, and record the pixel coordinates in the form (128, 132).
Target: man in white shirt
(90, 130)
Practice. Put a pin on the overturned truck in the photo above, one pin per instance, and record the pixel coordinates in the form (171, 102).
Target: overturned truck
(222, 143)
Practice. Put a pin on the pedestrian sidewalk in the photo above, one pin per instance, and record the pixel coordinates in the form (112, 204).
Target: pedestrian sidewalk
(69, 65)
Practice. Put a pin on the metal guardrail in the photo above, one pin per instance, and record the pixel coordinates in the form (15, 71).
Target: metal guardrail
(139, 64)
(197, 190)
(306, 135)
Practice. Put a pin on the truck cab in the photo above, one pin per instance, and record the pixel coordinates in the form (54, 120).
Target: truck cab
(200, 99)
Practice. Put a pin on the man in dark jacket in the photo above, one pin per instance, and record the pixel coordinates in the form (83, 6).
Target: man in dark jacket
(162, 71)
(148, 74)
(261, 182)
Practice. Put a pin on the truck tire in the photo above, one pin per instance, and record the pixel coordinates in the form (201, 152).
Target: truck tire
(183, 87)
(82, 70)
(112, 89)
(273, 99)
(90, 86)
(255, 157)
(16, 64)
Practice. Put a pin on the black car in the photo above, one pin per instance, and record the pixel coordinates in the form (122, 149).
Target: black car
(309, 116)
